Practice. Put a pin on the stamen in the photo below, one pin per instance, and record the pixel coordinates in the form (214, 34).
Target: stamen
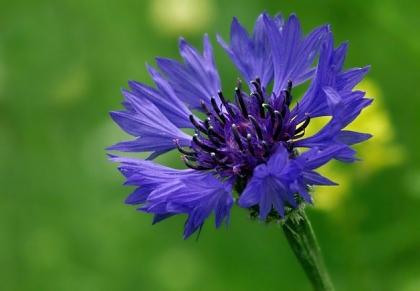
(214, 141)
(289, 93)
(217, 110)
(207, 122)
(241, 101)
(197, 125)
(250, 146)
(266, 148)
(303, 126)
(256, 126)
(260, 102)
(182, 151)
(205, 108)
(203, 145)
(237, 137)
(252, 136)
(257, 85)
(190, 158)
(194, 167)
(216, 160)
(279, 125)
(225, 103)
(236, 170)
(215, 133)
(296, 136)
(289, 86)
(270, 111)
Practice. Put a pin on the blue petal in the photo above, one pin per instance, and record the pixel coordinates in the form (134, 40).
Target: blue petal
(347, 80)
(292, 53)
(351, 137)
(328, 74)
(165, 192)
(195, 80)
(154, 131)
(199, 196)
(138, 196)
(164, 98)
(314, 178)
(315, 157)
(270, 185)
(344, 108)
(251, 55)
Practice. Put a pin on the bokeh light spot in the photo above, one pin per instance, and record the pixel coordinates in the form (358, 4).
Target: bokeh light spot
(181, 16)
(331, 197)
(374, 120)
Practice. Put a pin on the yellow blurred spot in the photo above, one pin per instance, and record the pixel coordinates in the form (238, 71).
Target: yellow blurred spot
(379, 152)
(316, 124)
(181, 16)
(330, 197)
(71, 87)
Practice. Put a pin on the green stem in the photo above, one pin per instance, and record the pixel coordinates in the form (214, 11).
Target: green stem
(302, 240)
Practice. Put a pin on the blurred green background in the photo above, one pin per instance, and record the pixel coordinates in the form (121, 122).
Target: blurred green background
(63, 224)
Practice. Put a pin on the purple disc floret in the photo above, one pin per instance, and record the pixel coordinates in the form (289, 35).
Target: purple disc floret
(251, 141)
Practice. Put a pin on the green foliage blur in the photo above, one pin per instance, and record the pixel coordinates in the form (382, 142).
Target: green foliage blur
(63, 223)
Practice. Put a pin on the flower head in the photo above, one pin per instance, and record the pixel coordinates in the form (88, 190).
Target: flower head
(251, 143)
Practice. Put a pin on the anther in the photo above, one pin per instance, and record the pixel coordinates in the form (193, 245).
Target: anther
(217, 110)
(289, 93)
(278, 126)
(214, 140)
(205, 108)
(266, 147)
(194, 167)
(236, 136)
(303, 126)
(190, 158)
(215, 159)
(256, 126)
(289, 86)
(296, 136)
(241, 102)
(257, 85)
(197, 125)
(270, 111)
(203, 145)
(260, 103)
(225, 103)
(182, 151)
(207, 122)
(187, 153)
(215, 133)
(250, 146)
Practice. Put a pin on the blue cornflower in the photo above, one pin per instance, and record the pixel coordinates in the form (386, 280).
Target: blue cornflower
(250, 144)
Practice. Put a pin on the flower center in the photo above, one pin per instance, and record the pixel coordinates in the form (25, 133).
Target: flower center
(235, 137)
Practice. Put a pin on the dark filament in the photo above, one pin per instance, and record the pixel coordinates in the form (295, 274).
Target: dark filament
(234, 138)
